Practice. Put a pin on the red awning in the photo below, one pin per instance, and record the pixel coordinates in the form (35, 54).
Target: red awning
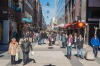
(66, 25)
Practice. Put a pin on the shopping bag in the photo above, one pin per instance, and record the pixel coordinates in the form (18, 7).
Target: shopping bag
(32, 53)
(16, 57)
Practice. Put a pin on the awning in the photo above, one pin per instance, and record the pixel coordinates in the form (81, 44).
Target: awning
(66, 25)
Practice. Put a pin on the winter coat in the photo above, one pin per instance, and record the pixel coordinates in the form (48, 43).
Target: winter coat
(63, 39)
(80, 43)
(71, 40)
(26, 46)
(13, 48)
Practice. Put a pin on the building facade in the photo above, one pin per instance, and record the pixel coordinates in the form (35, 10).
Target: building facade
(60, 16)
(10, 13)
(87, 11)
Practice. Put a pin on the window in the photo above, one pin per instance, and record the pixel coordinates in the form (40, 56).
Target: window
(73, 3)
(94, 13)
(28, 4)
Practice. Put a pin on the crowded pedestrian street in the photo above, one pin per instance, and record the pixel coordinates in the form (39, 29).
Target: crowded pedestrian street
(49, 32)
(45, 55)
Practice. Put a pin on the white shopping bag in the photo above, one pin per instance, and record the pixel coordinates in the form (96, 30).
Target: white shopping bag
(32, 53)
(16, 57)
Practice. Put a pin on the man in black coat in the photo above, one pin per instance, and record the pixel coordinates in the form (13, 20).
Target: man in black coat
(80, 46)
(26, 46)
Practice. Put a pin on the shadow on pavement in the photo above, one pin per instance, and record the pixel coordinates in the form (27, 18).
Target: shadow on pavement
(1, 55)
(62, 47)
(31, 60)
(50, 47)
(49, 65)
(18, 62)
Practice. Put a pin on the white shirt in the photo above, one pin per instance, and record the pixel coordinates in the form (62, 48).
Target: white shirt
(75, 39)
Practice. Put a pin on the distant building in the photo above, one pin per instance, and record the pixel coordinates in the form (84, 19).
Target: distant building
(53, 23)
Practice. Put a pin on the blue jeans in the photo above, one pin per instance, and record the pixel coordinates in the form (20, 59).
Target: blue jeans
(80, 52)
(42, 40)
(75, 44)
(95, 50)
(39, 42)
(69, 50)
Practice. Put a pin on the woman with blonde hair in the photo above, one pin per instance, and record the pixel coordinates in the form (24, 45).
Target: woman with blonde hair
(13, 49)
(69, 46)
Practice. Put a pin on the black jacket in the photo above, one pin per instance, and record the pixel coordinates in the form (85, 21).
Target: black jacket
(80, 43)
(26, 46)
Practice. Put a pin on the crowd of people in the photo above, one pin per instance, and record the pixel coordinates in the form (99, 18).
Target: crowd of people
(67, 41)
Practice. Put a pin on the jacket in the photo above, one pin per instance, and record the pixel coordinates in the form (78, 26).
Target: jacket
(71, 40)
(26, 46)
(80, 43)
(63, 39)
(74, 39)
(95, 41)
(13, 48)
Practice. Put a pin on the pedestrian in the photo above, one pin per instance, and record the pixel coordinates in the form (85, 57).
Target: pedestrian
(69, 46)
(80, 47)
(95, 43)
(63, 39)
(75, 38)
(39, 39)
(26, 46)
(57, 38)
(13, 49)
(27, 35)
(43, 36)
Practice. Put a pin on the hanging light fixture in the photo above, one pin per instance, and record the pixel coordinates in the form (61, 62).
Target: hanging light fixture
(47, 4)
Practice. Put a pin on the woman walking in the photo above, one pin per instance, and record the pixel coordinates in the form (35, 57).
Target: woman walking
(69, 46)
(13, 49)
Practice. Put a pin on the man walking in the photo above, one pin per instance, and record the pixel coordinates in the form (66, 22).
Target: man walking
(26, 46)
(80, 47)
(75, 40)
(95, 43)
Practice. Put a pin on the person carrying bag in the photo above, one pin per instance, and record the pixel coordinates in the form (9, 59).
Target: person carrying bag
(13, 49)
(26, 46)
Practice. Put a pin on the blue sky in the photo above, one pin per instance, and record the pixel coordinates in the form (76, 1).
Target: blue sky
(45, 8)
